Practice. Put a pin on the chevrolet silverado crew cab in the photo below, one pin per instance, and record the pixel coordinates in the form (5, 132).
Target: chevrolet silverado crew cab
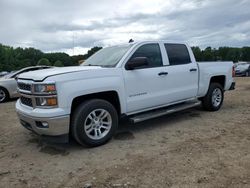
(140, 80)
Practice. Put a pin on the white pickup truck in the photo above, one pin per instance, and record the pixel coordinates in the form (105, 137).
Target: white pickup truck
(139, 81)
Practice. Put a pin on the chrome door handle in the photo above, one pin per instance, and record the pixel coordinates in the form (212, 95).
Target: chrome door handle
(163, 73)
(193, 70)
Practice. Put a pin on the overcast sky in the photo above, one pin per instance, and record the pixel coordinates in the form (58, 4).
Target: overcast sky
(64, 25)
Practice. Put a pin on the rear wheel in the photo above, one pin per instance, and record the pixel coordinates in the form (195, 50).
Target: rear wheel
(4, 95)
(214, 97)
(247, 73)
(94, 122)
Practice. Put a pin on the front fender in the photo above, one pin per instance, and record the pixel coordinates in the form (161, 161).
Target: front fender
(68, 91)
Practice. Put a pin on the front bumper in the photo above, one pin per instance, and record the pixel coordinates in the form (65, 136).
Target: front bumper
(56, 125)
(56, 131)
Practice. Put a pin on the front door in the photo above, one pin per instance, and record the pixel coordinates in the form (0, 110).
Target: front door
(145, 85)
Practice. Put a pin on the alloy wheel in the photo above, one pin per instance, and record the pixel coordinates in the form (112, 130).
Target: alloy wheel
(98, 124)
(216, 97)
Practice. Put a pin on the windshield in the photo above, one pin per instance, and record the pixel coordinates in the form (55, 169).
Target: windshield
(242, 66)
(107, 57)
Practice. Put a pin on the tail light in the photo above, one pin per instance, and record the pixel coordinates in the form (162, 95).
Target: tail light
(233, 71)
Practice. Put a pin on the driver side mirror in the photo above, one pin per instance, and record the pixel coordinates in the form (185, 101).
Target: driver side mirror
(136, 62)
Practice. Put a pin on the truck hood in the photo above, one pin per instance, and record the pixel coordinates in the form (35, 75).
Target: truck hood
(40, 75)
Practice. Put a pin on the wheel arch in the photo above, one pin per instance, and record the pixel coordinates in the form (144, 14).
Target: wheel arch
(110, 96)
(221, 79)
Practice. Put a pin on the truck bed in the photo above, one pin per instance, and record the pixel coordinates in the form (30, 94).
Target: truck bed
(212, 68)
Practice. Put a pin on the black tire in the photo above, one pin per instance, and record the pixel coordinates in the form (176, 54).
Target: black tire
(247, 74)
(80, 116)
(5, 93)
(207, 101)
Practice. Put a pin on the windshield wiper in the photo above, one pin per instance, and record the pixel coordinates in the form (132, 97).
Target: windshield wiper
(91, 65)
(108, 66)
(100, 65)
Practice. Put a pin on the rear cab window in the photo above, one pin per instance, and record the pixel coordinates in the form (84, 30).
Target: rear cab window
(177, 54)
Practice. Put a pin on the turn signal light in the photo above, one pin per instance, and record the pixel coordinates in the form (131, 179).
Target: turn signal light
(46, 102)
(52, 101)
(50, 88)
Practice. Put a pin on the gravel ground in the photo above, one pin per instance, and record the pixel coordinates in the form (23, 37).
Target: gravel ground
(193, 148)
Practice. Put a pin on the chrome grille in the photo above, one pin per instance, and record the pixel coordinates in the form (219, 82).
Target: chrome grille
(26, 101)
(28, 96)
(24, 86)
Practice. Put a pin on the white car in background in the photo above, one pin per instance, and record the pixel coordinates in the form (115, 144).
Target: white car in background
(3, 73)
(242, 69)
(8, 84)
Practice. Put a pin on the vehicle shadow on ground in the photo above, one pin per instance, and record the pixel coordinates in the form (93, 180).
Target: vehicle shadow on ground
(11, 100)
(125, 132)
(162, 121)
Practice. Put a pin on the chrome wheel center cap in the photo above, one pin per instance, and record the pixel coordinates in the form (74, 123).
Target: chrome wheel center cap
(96, 121)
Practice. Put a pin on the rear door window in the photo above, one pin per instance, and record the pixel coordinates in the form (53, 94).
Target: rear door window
(177, 54)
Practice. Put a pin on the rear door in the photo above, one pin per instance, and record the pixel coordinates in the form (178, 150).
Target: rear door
(182, 79)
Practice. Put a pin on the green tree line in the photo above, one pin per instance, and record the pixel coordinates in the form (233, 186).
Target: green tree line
(222, 54)
(17, 58)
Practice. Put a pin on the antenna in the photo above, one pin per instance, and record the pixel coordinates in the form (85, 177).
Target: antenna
(73, 41)
(130, 41)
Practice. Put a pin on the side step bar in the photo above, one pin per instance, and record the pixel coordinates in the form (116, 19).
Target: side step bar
(163, 111)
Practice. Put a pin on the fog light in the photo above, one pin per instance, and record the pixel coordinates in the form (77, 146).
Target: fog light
(45, 124)
(42, 124)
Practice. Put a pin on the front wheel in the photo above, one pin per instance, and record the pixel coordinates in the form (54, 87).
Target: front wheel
(214, 97)
(94, 122)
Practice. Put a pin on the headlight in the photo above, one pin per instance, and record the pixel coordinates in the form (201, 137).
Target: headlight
(46, 102)
(45, 95)
(45, 88)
